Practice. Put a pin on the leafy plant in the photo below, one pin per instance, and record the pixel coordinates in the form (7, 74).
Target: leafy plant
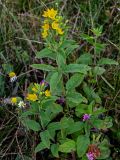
(66, 110)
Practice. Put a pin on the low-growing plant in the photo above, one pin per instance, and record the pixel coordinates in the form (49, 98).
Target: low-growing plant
(66, 109)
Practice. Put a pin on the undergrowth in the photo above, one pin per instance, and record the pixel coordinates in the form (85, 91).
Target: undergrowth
(60, 92)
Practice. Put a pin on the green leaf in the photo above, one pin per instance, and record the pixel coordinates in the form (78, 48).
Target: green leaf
(74, 81)
(85, 58)
(34, 107)
(102, 124)
(55, 79)
(43, 67)
(81, 109)
(98, 70)
(104, 149)
(90, 107)
(45, 138)
(61, 61)
(97, 123)
(70, 49)
(107, 123)
(105, 61)
(54, 126)
(46, 53)
(26, 114)
(44, 118)
(67, 43)
(99, 111)
(84, 157)
(75, 98)
(99, 47)
(53, 110)
(81, 68)
(88, 38)
(40, 147)
(82, 145)
(54, 150)
(68, 146)
(32, 124)
(24, 57)
(75, 127)
(66, 122)
(7, 68)
(91, 94)
(97, 31)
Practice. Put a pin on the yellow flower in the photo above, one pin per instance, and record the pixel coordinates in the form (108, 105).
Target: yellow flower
(13, 100)
(59, 30)
(34, 89)
(32, 97)
(50, 13)
(55, 25)
(47, 93)
(44, 34)
(45, 14)
(46, 26)
(12, 74)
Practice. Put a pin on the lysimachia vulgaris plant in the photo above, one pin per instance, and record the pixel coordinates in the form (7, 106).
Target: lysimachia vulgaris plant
(65, 108)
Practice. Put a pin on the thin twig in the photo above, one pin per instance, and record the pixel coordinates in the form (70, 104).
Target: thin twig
(25, 73)
(65, 2)
(76, 20)
(8, 147)
(19, 146)
(115, 97)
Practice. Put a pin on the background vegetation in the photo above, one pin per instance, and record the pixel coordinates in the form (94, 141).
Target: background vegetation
(20, 39)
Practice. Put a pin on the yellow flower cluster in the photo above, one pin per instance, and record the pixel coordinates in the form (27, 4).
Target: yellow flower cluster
(52, 22)
(37, 90)
(34, 90)
(32, 97)
(47, 93)
(51, 13)
(12, 74)
(13, 100)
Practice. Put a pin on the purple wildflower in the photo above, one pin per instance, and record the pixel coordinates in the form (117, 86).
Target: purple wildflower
(94, 129)
(61, 100)
(90, 156)
(44, 83)
(86, 117)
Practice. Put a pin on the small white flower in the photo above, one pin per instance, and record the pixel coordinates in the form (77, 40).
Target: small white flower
(12, 76)
(13, 79)
(21, 104)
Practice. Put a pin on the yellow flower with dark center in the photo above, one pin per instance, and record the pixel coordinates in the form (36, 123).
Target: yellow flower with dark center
(47, 93)
(50, 13)
(55, 25)
(60, 31)
(12, 74)
(44, 34)
(13, 100)
(46, 26)
(32, 97)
